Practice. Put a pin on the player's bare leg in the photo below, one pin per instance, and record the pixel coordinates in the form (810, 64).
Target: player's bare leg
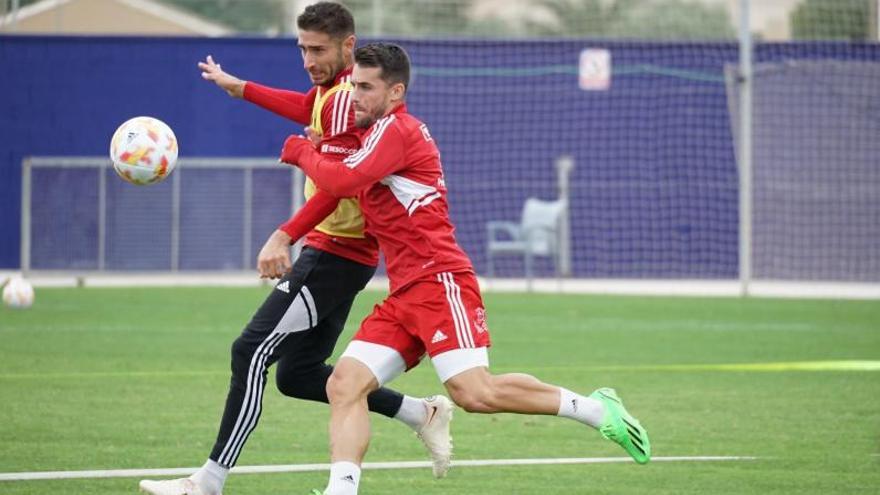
(347, 390)
(477, 390)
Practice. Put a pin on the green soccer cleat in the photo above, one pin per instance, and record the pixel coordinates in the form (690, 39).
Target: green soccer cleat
(620, 427)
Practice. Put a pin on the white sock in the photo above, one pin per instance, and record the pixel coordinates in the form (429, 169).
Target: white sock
(579, 408)
(412, 412)
(211, 477)
(344, 478)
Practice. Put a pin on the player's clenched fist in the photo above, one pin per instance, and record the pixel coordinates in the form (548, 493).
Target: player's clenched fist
(293, 148)
(274, 258)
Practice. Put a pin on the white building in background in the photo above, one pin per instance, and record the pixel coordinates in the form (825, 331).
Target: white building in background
(125, 17)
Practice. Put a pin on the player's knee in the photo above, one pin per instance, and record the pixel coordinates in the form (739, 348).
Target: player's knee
(347, 383)
(303, 382)
(289, 385)
(242, 351)
(341, 388)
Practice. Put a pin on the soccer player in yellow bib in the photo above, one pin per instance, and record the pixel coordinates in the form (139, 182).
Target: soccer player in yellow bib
(298, 324)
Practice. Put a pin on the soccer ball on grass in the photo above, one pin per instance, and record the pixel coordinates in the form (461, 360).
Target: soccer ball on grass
(18, 293)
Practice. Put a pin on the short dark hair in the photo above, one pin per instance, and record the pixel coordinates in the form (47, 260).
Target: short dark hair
(327, 17)
(391, 58)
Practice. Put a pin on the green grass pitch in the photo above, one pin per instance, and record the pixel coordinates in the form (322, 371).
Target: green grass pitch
(136, 378)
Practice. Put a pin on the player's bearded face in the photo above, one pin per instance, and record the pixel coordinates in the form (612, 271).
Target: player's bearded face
(323, 56)
(371, 97)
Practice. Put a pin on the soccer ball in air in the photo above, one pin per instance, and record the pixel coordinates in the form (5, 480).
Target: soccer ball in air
(143, 151)
(18, 293)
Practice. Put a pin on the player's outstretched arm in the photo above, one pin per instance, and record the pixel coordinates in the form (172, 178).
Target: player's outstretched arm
(328, 174)
(289, 104)
(346, 178)
(212, 71)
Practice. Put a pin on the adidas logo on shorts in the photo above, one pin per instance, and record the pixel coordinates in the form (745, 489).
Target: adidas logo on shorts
(284, 286)
(439, 336)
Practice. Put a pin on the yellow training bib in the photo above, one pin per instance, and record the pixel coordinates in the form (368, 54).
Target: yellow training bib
(347, 219)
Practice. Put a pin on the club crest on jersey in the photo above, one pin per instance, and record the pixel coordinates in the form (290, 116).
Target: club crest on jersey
(480, 320)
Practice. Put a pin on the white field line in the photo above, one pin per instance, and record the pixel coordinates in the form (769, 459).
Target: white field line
(851, 365)
(302, 468)
(640, 287)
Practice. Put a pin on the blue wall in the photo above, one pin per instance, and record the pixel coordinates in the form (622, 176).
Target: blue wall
(66, 96)
(654, 192)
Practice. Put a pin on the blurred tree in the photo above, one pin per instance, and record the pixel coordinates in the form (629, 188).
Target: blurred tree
(246, 16)
(647, 19)
(387, 17)
(409, 17)
(834, 19)
(595, 18)
(654, 19)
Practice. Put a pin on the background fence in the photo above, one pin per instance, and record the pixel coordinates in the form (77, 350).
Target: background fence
(78, 215)
(655, 188)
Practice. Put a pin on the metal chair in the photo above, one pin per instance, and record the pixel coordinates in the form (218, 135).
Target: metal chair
(537, 234)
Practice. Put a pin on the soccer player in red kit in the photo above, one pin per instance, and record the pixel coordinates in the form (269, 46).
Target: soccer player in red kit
(298, 324)
(434, 307)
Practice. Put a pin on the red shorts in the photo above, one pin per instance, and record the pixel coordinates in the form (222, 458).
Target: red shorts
(436, 314)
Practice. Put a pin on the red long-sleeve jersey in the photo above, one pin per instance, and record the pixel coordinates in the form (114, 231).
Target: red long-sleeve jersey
(398, 178)
(289, 104)
(328, 223)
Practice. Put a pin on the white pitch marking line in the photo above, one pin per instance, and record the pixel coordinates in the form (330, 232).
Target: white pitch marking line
(301, 468)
